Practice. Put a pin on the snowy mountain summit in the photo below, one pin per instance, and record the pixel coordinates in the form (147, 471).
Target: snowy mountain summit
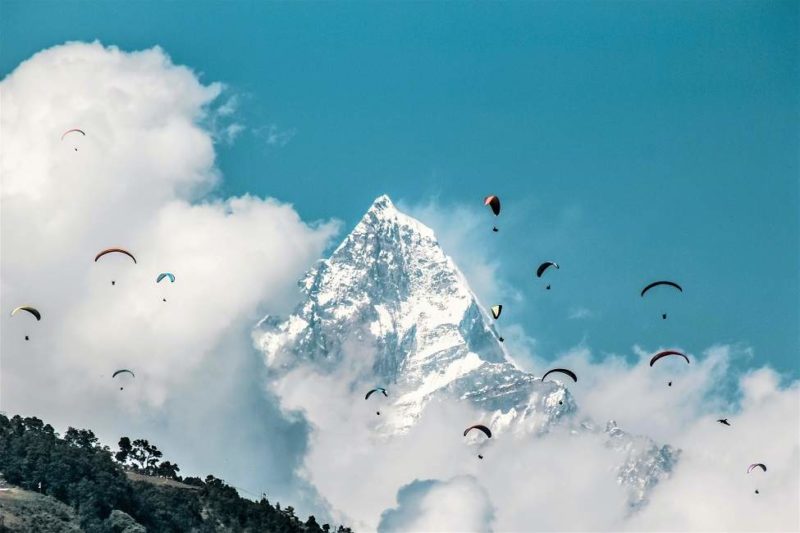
(390, 287)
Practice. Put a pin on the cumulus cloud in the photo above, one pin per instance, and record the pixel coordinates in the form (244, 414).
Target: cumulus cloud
(138, 180)
(566, 479)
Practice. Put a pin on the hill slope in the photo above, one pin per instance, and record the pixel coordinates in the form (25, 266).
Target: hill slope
(71, 483)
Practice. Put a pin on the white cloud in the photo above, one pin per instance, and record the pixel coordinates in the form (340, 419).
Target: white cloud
(577, 313)
(274, 136)
(564, 480)
(137, 179)
(458, 504)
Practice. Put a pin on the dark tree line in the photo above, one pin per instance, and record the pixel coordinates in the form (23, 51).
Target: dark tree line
(81, 473)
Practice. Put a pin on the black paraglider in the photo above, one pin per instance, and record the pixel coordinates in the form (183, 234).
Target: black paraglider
(665, 353)
(486, 431)
(373, 391)
(123, 371)
(670, 384)
(658, 283)
(543, 267)
(32, 310)
(480, 456)
(724, 421)
(564, 371)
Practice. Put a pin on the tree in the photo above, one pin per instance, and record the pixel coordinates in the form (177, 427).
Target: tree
(312, 526)
(80, 438)
(146, 454)
(168, 470)
(125, 449)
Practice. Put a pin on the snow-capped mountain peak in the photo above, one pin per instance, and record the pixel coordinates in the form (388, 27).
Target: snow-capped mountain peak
(390, 293)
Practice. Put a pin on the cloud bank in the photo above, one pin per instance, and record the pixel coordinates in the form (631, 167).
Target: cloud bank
(567, 479)
(138, 180)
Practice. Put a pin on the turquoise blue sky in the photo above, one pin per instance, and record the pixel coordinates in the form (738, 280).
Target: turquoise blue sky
(628, 141)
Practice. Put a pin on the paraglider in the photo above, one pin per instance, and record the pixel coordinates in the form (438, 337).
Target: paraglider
(486, 431)
(122, 371)
(659, 283)
(565, 371)
(73, 130)
(665, 353)
(724, 421)
(753, 466)
(480, 427)
(543, 267)
(496, 310)
(114, 250)
(377, 389)
(32, 310)
(165, 275)
(373, 391)
(494, 204)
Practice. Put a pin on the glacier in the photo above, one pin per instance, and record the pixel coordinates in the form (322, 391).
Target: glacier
(390, 286)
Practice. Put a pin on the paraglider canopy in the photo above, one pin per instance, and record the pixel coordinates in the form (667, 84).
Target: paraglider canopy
(376, 389)
(114, 250)
(29, 309)
(753, 466)
(169, 275)
(486, 431)
(494, 203)
(123, 370)
(544, 266)
(565, 371)
(496, 310)
(73, 130)
(665, 353)
(663, 282)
